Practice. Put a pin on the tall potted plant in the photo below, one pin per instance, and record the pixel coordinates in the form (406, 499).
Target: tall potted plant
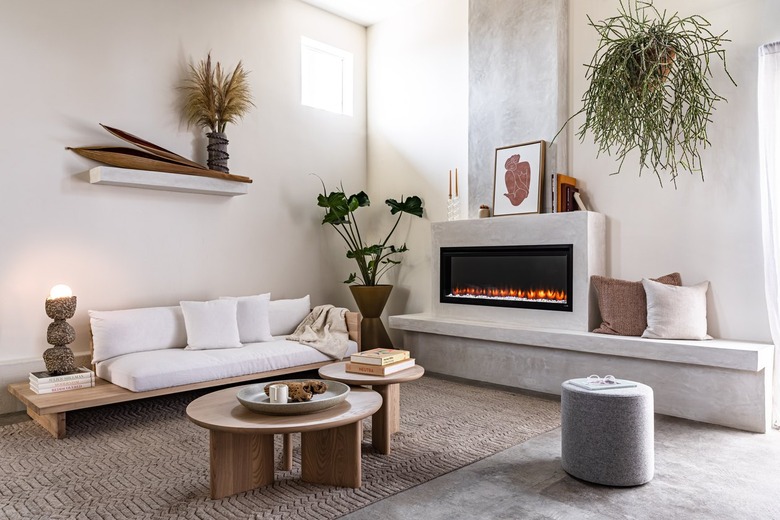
(649, 87)
(373, 260)
(212, 99)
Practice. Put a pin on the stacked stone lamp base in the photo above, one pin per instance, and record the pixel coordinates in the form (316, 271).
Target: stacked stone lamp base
(59, 358)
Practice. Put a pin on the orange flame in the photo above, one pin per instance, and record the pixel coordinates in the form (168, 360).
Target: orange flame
(511, 292)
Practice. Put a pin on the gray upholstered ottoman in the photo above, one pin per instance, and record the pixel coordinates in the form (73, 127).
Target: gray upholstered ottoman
(607, 435)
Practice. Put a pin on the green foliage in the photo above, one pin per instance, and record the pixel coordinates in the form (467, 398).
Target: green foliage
(373, 260)
(649, 87)
(214, 98)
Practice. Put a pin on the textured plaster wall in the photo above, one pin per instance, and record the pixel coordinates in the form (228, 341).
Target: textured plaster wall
(705, 230)
(77, 63)
(517, 85)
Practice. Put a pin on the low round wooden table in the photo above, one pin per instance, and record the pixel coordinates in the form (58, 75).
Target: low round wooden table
(387, 420)
(242, 441)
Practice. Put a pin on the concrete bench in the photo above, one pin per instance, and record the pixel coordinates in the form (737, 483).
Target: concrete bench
(718, 381)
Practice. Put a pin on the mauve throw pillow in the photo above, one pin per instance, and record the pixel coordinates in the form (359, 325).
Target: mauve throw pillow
(623, 304)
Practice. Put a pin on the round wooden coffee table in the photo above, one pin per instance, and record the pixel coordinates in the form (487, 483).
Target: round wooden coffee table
(242, 441)
(387, 420)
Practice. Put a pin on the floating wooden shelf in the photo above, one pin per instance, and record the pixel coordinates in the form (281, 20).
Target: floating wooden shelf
(166, 181)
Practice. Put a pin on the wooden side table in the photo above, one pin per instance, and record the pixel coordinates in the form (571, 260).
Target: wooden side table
(242, 442)
(387, 420)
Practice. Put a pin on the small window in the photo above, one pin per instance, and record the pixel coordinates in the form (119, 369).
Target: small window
(326, 77)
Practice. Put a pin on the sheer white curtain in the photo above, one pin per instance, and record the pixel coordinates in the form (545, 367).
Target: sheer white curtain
(769, 154)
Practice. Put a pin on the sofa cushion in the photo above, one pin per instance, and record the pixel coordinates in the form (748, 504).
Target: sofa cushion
(212, 324)
(253, 320)
(623, 304)
(115, 333)
(144, 371)
(676, 312)
(286, 315)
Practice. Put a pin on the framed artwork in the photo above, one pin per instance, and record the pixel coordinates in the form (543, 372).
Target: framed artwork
(517, 179)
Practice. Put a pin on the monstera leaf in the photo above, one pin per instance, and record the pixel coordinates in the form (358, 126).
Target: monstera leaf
(411, 205)
(373, 260)
(517, 179)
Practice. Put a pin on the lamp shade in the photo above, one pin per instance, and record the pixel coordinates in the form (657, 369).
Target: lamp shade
(60, 291)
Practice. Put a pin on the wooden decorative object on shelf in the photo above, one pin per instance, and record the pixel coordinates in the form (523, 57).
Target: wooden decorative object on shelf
(139, 160)
(151, 147)
(151, 157)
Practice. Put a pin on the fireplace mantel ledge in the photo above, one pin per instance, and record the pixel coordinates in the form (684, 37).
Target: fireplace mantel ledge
(721, 353)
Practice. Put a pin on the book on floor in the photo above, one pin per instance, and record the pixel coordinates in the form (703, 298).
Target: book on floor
(80, 374)
(380, 370)
(380, 356)
(600, 385)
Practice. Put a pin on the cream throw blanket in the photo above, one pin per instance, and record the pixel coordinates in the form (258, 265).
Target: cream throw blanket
(324, 329)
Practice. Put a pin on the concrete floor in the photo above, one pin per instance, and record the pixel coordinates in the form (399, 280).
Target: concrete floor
(701, 472)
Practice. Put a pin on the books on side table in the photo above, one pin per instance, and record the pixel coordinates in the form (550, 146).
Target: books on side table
(45, 383)
(379, 362)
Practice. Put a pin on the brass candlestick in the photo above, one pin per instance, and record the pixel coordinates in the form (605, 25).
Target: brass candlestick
(60, 306)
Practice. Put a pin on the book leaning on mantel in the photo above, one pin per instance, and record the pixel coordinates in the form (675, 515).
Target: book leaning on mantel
(45, 383)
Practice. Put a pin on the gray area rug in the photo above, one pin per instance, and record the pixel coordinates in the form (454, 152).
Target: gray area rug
(146, 460)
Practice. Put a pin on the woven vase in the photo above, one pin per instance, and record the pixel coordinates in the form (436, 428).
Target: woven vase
(217, 152)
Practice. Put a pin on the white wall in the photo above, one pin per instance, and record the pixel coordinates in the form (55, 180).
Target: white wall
(707, 230)
(68, 66)
(417, 130)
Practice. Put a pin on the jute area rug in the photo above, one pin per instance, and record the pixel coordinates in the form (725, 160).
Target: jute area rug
(146, 460)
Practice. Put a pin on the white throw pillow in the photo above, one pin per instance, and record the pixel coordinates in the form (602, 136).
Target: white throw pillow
(676, 312)
(115, 333)
(212, 324)
(253, 323)
(286, 315)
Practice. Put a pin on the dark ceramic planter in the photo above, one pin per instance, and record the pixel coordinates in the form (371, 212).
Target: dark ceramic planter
(371, 300)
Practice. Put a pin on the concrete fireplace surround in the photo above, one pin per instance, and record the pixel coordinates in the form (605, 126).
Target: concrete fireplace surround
(718, 381)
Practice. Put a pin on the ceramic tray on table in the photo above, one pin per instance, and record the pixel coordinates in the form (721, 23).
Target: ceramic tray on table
(254, 398)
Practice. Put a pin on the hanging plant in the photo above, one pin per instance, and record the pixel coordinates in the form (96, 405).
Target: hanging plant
(649, 88)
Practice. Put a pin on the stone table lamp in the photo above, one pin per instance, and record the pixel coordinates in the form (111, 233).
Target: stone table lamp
(60, 306)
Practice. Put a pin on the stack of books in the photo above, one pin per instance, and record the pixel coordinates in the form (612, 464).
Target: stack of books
(45, 383)
(565, 194)
(379, 362)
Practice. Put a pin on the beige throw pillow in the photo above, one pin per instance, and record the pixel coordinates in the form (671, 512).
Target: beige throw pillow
(623, 304)
(676, 312)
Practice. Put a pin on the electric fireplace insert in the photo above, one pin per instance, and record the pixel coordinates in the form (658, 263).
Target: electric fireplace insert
(530, 277)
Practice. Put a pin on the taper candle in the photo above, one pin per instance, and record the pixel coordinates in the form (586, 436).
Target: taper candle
(456, 182)
(450, 183)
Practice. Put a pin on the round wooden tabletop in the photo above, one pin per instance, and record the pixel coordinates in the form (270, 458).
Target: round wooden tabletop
(221, 411)
(338, 372)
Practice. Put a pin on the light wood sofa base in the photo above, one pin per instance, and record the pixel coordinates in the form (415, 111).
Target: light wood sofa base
(49, 410)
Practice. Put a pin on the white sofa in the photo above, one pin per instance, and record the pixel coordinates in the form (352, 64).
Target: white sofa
(152, 348)
(142, 353)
